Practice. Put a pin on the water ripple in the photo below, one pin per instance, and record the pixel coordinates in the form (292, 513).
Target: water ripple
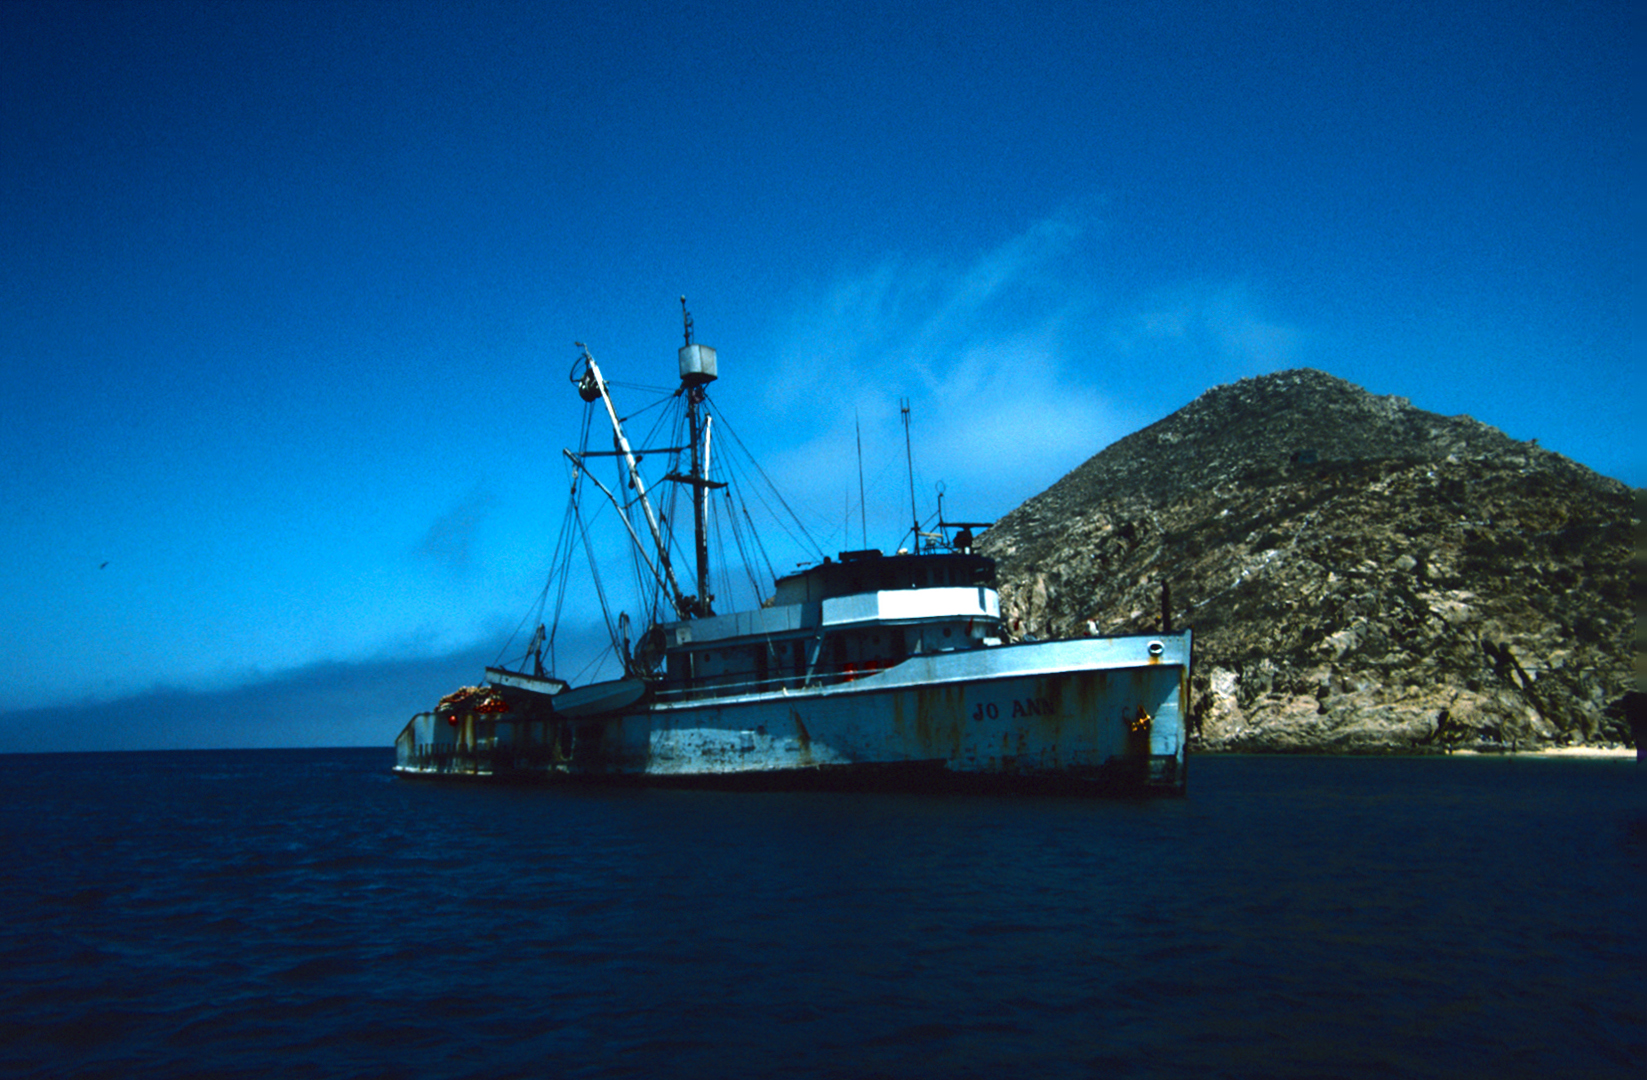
(231, 914)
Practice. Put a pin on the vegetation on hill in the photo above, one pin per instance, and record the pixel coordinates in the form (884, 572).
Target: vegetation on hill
(1361, 575)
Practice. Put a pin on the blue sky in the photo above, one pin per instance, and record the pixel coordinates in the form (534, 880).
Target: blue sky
(290, 290)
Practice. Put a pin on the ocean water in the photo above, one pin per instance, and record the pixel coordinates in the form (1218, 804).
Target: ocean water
(305, 914)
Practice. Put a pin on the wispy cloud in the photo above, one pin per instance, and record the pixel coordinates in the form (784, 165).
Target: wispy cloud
(1019, 362)
(1224, 324)
(981, 349)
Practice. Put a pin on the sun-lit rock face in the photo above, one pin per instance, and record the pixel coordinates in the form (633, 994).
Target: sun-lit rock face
(1360, 574)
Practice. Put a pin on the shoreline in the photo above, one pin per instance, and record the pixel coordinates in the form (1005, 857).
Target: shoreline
(1616, 753)
(1560, 751)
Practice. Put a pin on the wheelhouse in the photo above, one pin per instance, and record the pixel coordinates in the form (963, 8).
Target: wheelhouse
(833, 623)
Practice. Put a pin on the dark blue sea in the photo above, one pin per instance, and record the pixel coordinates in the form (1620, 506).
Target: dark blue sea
(305, 914)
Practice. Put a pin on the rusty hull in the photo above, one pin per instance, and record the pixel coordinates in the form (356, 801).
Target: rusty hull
(1103, 713)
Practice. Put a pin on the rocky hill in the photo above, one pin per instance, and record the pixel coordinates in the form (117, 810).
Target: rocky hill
(1361, 575)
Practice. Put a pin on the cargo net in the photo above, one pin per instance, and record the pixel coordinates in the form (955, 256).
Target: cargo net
(472, 699)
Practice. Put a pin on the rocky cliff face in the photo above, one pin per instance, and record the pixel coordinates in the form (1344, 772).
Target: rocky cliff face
(1360, 575)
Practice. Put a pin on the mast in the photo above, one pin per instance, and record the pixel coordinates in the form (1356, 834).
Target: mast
(697, 367)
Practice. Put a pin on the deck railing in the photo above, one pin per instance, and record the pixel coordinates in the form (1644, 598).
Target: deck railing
(704, 688)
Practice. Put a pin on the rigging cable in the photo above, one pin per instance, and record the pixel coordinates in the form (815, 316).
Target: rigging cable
(773, 488)
(574, 513)
(803, 541)
(736, 528)
(771, 573)
(559, 568)
(600, 592)
(638, 564)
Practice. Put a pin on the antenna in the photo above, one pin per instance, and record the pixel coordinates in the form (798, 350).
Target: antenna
(863, 502)
(909, 457)
(686, 321)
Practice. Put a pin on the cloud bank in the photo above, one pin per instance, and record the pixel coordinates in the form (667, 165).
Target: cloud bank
(333, 704)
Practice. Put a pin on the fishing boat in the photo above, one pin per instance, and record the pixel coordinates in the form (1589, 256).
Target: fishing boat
(861, 670)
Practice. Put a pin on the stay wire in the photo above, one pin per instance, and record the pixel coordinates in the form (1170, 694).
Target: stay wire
(559, 573)
(773, 488)
(574, 511)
